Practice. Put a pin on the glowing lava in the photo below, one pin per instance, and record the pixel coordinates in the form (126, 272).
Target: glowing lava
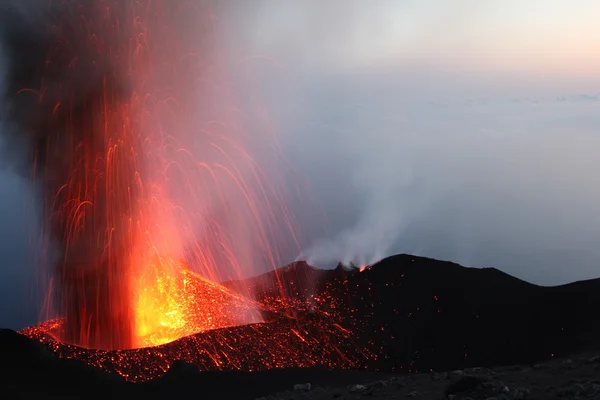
(314, 336)
(174, 302)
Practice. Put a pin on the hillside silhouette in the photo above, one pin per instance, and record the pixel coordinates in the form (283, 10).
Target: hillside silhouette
(415, 314)
(422, 314)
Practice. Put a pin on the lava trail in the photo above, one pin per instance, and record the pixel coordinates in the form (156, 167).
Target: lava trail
(145, 165)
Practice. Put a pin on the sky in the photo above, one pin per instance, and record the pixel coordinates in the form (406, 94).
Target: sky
(460, 130)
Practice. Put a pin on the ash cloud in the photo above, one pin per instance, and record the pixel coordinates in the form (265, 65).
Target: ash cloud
(46, 61)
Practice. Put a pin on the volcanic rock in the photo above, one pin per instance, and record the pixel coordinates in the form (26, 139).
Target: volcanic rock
(28, 367)
(17, 349)
(594, 360)
(357, 388)
(302, 387)
(181, 368)
(464, 384)
(414, 314)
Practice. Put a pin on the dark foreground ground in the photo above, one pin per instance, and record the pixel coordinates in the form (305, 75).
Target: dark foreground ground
(417, 317)
(40, 376)
(572, 378)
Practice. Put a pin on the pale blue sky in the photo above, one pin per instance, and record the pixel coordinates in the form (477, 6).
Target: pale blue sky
(550, 43)
(386, 28)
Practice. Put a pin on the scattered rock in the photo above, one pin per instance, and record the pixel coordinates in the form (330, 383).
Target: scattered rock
(456, 374)
(521, 394)
(464, 384)
(573, 390)
(357, 388)
(302, 387)
(399, 382)
(18, 349)
(413, 394)
(579, 388)
(378, 385)
(181, 368)
(541, 366)
(594, 360)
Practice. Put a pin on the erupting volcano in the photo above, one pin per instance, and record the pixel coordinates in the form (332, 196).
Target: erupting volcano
(156, 182)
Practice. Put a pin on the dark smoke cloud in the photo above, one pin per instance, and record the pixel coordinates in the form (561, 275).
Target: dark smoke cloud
(48, 61)
(58, 77)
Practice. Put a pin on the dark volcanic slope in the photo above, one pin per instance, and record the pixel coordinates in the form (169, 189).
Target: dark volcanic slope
(421, 314)
(297, 278)
(414, 314)
(440, 315)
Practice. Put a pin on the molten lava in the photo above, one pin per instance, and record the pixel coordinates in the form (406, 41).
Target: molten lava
(174, 302)
(313, 335)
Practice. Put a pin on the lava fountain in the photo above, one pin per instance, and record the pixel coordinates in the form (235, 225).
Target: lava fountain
(156, 182)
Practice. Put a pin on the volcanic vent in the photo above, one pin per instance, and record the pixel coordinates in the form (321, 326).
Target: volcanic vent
(304, 327)
(175, 302)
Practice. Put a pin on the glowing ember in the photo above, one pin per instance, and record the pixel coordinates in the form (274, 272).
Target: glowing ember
(175, 302)
(248, 348)
(313, 337)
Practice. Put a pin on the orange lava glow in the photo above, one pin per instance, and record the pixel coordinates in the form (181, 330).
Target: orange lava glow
(314, 335)
(174, 302)
(157, 168)
(245, 348)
